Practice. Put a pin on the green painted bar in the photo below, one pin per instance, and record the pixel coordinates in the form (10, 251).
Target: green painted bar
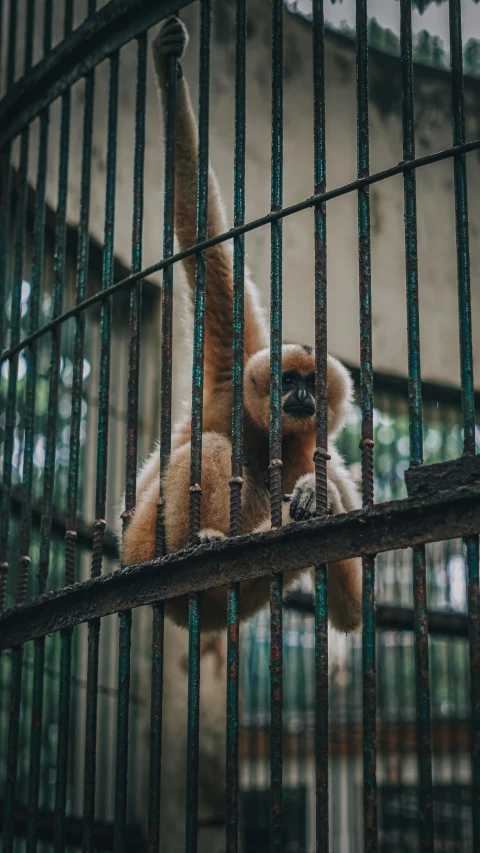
(31, 356)
(102, 453)
(156, 710)
(276, 583)
(236, 481)
(5, 211)
(10, 418)
(467, 386)
(370, 830)
(424, 749)
(191, 821)
(321, 451)
(125, 625)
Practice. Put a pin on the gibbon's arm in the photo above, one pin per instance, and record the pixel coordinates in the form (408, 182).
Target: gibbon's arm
(344, 576)
(172, 40)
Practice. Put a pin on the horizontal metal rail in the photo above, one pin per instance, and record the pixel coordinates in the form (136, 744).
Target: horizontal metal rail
(96, 39)
(237, 231)
(365, 532)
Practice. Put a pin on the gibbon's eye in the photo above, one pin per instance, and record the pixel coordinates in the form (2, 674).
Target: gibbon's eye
(287, 380)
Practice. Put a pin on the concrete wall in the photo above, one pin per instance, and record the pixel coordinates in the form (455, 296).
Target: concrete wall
(436, 234)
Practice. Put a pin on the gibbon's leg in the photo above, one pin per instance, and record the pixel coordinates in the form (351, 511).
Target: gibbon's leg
(344, 576)
(214, 524)
(172, 41)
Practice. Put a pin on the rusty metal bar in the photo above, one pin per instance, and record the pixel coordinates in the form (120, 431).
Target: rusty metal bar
(10, 419)
(422, 681)
(50, 464)
(125, 617)
(275, 434)
(14, 326)
(191, 817)
(321, 452)
(467, 386)
(5, 201)
(370, 830)
(26, 505)
(102, 451)
(384, 527)
(165, 447)
(30, 354)
(101, 34)
(123, 707)
(236, 481)
(474, 642)
(253, 225)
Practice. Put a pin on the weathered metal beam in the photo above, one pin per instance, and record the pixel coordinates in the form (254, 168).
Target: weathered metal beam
(97, 38)
(385, 527)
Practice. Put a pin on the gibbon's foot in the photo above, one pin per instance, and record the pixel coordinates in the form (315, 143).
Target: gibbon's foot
(172, 40)
(209, 535)
(303, 499)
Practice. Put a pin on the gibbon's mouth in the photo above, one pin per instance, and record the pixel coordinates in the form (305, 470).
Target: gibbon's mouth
(300, 411)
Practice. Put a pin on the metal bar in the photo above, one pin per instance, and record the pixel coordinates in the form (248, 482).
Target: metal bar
(135, 293)
(24, 538)
(321, 451)
(101, 34)
(34, 307)
(26, 509)
(461, 228)
(125, 629)
(422, 680)
(91, 704)
(275, 435)
(12, 750)
(197, 423)
(467, 387)
(50, 462)
(253, 225)
(474, 638)
(366, 444)
(384, 527)
(71, 534)
(15, 298)
(5, 198)
(236, 481)
(165, 448)
(58, 290)
(10, 419)
(123, 705)
(102, 456)
(422, 690)
(61, 789)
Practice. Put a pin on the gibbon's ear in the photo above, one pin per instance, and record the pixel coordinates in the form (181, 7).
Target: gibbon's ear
(257, 388)
(340, 394)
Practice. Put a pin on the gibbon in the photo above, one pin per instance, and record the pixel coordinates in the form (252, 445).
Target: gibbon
(298, 415)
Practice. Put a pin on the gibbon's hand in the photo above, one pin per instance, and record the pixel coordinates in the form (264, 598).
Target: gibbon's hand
(302, 501)
(171, 40)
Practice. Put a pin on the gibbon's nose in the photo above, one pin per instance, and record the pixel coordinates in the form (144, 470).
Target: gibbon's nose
(301, 394)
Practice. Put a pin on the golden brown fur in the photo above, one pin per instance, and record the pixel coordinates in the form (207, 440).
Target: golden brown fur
(298, 436)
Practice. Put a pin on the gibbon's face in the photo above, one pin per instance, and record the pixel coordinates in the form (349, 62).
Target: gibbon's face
(298, 389)
(298, 394)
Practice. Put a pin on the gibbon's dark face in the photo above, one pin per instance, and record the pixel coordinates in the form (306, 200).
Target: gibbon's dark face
(298, 394)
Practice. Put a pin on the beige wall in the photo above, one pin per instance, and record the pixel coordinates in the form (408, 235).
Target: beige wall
(436, 236)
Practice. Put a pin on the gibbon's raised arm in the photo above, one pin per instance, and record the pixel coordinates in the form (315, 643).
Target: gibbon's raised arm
(172, 40)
